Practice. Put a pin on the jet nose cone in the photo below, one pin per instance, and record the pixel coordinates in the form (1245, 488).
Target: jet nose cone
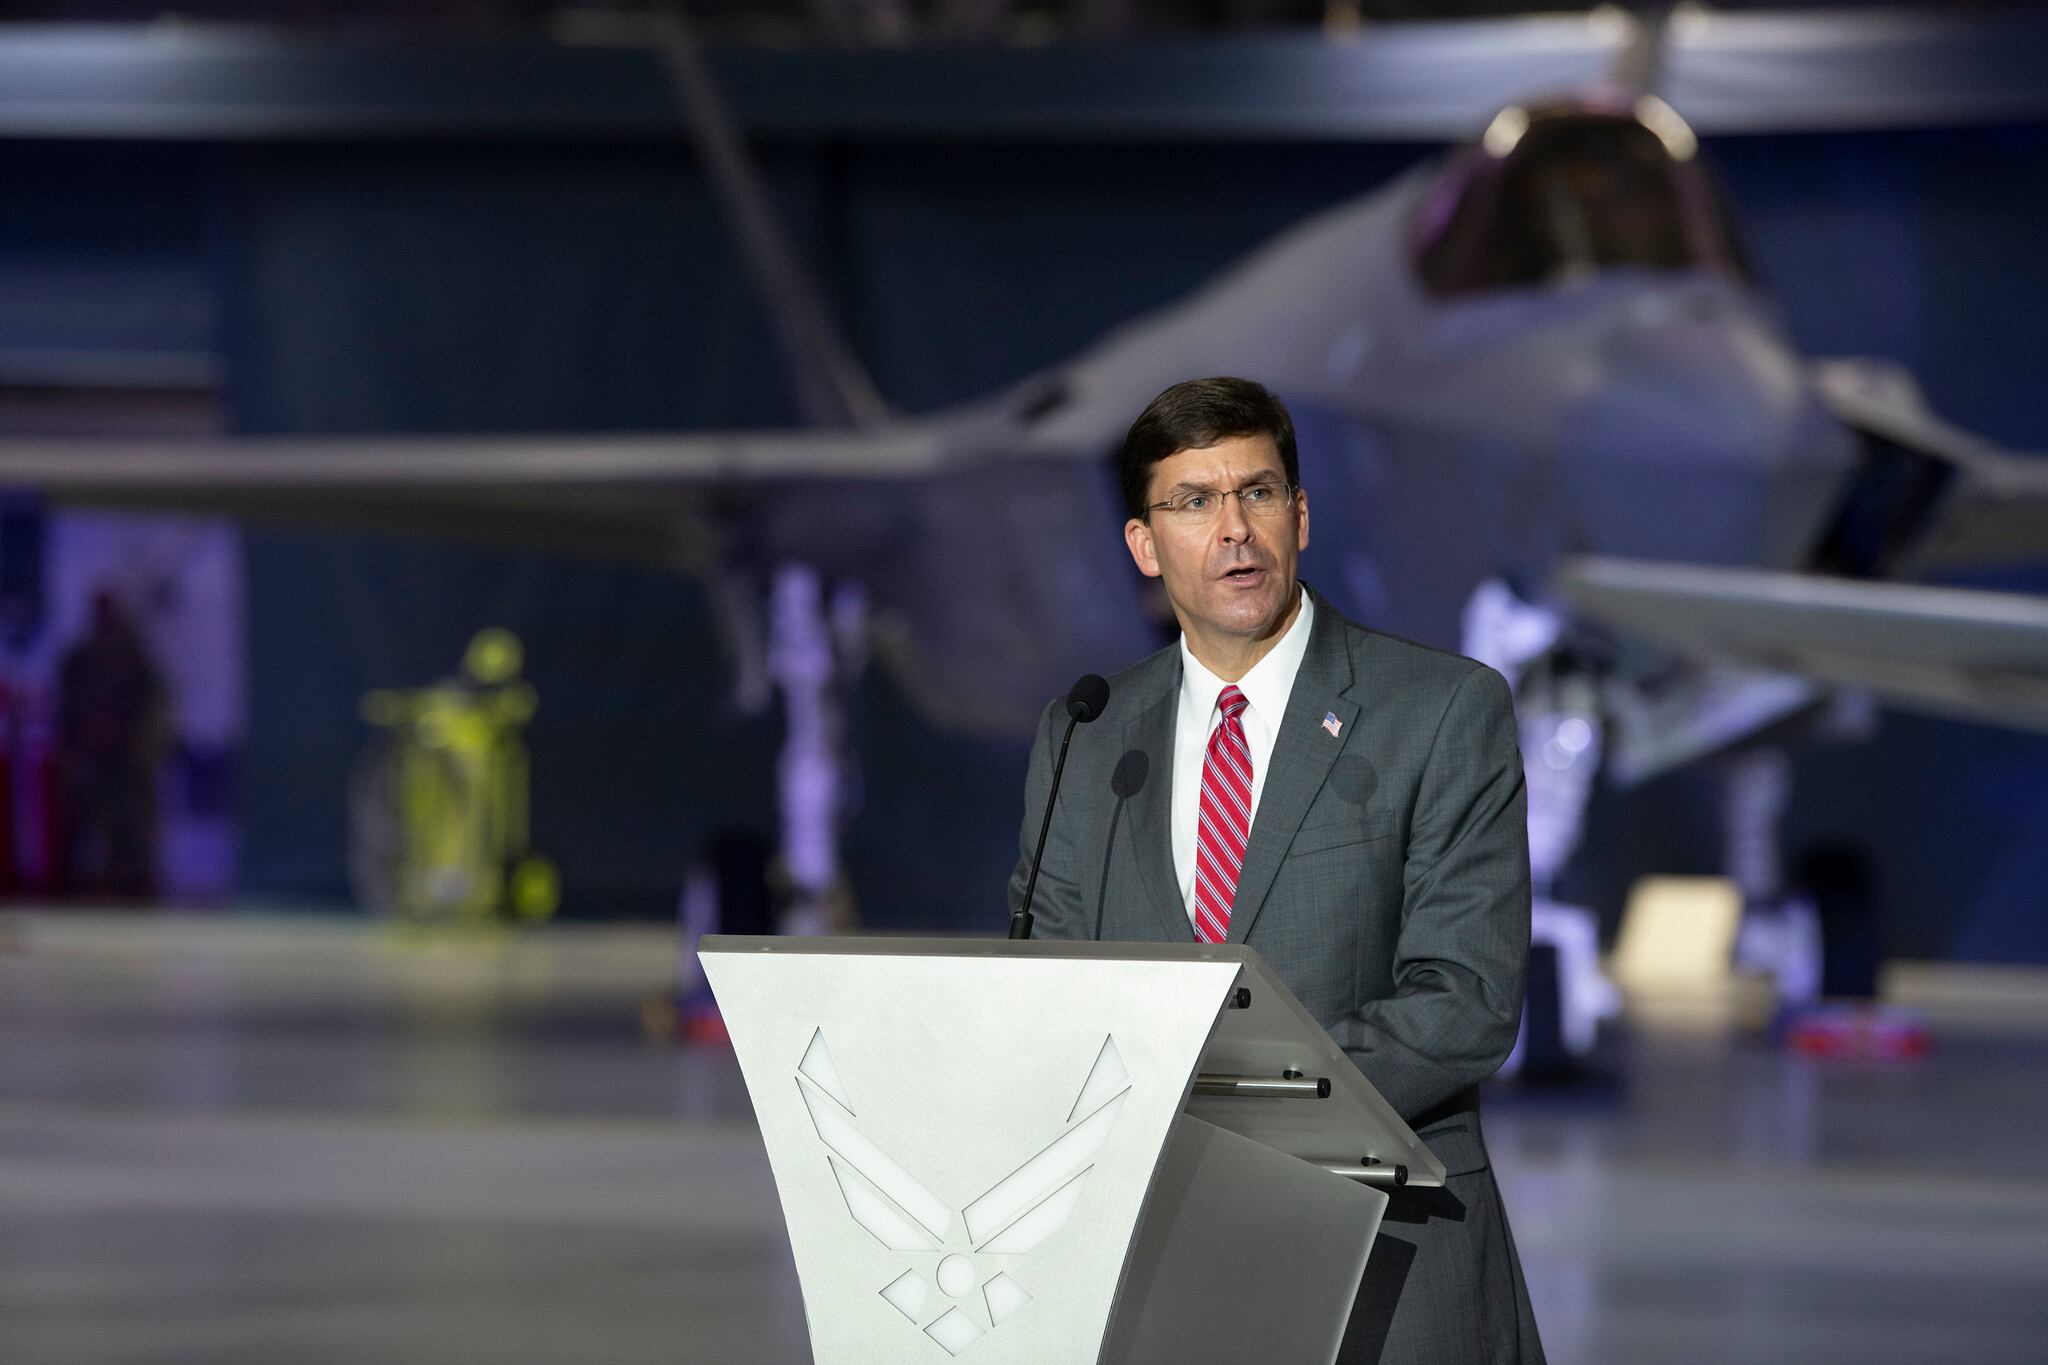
(1703, 440)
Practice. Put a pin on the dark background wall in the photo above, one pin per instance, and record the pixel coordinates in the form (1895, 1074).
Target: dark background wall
(588, 286)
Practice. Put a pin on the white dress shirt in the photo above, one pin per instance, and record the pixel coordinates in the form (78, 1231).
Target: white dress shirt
(1266, 689)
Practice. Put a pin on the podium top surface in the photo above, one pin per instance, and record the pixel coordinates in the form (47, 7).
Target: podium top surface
(886, 945)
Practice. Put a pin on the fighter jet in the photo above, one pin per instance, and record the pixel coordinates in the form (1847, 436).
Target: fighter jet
(1540, 367)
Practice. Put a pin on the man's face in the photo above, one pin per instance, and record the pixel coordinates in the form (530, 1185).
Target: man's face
(1231, 573)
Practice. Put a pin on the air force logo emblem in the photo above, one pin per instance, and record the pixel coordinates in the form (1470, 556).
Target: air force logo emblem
(956, 1287)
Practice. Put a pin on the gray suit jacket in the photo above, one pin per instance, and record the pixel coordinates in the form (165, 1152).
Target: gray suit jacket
(1387, 882)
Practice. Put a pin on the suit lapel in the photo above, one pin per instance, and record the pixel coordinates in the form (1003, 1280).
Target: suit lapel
(1150, 811)
(1303, 753)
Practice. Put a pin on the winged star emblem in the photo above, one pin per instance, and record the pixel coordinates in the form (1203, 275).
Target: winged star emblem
(966, 1294)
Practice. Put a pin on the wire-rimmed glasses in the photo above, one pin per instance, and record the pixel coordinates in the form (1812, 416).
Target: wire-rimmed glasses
(1261, 498)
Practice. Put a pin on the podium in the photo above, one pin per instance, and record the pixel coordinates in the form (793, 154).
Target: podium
(1049, 1153)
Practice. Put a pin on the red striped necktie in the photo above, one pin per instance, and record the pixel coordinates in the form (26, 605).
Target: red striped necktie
(1226, 819)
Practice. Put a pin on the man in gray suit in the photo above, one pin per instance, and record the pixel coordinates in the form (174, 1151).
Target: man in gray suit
(1347, 803)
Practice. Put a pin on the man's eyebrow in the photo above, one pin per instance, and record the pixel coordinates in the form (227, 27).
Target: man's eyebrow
(1191, 486)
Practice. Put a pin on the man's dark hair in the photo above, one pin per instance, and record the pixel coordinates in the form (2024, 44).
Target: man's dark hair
(1194, 416)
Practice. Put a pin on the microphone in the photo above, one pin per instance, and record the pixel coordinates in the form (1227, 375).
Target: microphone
(1085, 701)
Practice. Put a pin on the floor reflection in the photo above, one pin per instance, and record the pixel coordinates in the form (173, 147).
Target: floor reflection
(258, 1140)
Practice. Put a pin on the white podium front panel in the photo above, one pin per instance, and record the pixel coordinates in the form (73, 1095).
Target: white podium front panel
(963, 1132)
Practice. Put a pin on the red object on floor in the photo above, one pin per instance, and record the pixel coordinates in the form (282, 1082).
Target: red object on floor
(705, 1028)
(1872, 1032)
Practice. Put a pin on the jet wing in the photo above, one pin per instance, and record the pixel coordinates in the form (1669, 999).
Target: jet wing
(994, 574)
(1959, 653)
(1994, 504)
(636, 498)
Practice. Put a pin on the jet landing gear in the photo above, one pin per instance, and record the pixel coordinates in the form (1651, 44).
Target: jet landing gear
(1559, 720)
(812, 651)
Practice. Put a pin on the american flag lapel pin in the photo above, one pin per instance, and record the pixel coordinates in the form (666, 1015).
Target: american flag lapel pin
(1331, 723)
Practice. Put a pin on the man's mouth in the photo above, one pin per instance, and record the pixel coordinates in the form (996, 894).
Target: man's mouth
(1242, 573)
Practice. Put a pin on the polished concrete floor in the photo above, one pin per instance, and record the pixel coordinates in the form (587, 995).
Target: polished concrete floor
(249, 1141)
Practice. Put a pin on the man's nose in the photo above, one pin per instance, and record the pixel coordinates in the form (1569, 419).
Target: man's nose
(1233, 525)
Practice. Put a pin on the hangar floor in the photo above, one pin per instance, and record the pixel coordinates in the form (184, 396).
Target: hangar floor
(247, 1140)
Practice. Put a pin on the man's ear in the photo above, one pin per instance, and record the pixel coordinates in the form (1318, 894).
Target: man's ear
(1138, 537)
(1301, 509)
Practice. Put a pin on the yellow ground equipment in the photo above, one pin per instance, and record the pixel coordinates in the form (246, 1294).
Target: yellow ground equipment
(438, 813)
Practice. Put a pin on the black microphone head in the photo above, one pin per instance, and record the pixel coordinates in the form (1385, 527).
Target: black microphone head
(1087, 697)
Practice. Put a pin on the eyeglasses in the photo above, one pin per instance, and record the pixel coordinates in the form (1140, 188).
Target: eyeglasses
(1261, 499)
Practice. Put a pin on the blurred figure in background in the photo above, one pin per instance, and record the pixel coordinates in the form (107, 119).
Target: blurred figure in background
(1836, 884)
(113, 711)
(1838, 880)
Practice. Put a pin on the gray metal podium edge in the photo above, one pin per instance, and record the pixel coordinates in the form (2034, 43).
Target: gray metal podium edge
(1242, 1254)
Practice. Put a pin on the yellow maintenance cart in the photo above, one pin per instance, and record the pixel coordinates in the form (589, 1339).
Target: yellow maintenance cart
(438, 811)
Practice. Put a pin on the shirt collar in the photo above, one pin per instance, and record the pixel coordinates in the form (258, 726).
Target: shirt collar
(1271, 680)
